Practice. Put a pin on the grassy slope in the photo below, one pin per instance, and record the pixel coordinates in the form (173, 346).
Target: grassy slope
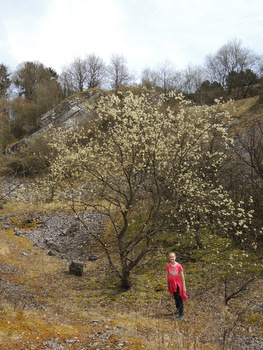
(44, 303)
(247, 111)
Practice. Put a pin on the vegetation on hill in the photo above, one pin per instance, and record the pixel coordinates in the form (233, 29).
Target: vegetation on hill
(148, 170)
(43, 306)
(32, 89)
(167, 177)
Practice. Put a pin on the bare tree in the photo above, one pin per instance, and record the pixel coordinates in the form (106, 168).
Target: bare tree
(192, 78)
(149, 78)
(167, 77)
(83, 74)
(74, 78)
(249, 147)
(118, 72)
(231, 57)
(79, 71)
(96, 71)
(67, 83)
(163, 77)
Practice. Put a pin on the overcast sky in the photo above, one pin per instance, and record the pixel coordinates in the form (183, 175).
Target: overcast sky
(146, 32)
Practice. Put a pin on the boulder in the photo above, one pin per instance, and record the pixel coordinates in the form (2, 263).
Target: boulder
(76, 268)
(93, 257)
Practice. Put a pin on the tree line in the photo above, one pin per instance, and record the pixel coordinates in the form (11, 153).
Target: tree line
(33, 89)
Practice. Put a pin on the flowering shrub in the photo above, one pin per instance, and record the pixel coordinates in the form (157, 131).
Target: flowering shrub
(146, 168)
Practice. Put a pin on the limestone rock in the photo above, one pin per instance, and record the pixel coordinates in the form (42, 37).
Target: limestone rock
(68, 114)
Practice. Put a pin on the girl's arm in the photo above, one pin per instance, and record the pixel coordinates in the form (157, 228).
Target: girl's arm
(183, 280)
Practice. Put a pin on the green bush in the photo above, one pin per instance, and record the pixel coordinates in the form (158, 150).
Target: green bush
(31, 160)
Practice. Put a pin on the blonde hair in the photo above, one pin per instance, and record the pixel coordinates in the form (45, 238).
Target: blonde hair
(172, 253)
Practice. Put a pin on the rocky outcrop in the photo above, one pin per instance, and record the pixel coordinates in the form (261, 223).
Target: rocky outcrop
(71, 111)
(61, 235)
(68, 114)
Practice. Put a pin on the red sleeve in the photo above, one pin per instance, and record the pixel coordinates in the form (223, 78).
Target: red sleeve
(166, 267)
(180, 268)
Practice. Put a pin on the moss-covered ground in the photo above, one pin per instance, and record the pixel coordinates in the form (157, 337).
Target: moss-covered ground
(41, 304)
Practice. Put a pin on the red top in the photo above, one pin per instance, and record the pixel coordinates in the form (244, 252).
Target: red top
(174, 280)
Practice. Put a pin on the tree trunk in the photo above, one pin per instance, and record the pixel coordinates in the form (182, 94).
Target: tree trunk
(126, 279)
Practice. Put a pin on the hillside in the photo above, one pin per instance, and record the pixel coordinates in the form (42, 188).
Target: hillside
(70, 112)
(248, 110)
(73, 111)
(43, 306)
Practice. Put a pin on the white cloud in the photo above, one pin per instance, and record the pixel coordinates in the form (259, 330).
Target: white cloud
(146, 32)
(68, 29)
(76, 30)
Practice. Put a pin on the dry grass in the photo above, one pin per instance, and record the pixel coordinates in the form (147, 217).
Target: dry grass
(41, 303)
(64, 307)
(244, 105)
(247, 111)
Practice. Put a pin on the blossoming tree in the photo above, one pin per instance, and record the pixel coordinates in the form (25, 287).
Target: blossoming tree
(147, 164)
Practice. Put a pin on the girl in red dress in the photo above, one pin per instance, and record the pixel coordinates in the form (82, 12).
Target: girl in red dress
(175, 284)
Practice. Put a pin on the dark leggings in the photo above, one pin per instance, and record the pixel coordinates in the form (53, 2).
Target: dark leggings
(179, 302)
